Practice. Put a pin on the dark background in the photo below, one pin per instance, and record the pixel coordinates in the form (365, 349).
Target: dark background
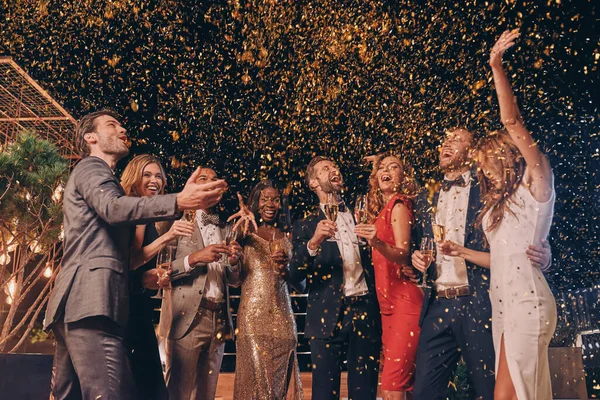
(256, 88)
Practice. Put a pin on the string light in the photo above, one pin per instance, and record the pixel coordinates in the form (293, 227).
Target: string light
(48, 271)
(10, 290)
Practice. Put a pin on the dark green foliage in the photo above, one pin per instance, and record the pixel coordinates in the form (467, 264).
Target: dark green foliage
(31, 169)
(461, 388)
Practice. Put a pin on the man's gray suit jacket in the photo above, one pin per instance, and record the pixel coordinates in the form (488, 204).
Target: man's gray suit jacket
(99, 225)
(181, 304)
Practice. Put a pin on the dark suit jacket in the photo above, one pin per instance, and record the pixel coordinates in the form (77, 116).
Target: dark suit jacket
(325, 279)
(99, 222)
(479, 281)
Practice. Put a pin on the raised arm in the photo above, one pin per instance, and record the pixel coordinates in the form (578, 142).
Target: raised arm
(450, 248)
(540, 173)
(101, 191)
(140, 254)
(399, 253)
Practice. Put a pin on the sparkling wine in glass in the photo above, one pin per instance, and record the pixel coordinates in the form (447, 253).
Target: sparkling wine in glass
(360, 214)
(427, 252)
(164, 260)
(331, 212)
(275, 245)
(439, 232)
(189, 216)
(230, 237)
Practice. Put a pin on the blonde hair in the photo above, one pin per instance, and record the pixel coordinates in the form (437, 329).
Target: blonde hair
(408, 185)
(507, 156)
(134, 171)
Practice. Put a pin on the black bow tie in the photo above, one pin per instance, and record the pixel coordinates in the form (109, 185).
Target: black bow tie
(447, 184)
(341, 207)
(210, 219)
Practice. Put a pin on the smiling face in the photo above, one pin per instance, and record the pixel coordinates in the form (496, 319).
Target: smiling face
(327, 176)
(207, 175)
(108, 137)
(390, 174)
(152, 181)
(269, 204)
(454, 153)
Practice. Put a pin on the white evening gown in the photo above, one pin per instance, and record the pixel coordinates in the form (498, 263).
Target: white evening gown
(523, 307)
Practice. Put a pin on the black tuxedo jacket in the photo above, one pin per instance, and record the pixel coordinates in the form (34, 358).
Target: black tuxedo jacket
(479, 282)
(325, 278)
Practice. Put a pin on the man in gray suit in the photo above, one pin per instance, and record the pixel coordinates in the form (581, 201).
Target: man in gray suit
(88, 307)
(195, 317)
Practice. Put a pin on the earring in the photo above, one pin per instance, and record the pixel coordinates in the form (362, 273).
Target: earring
(396, 187)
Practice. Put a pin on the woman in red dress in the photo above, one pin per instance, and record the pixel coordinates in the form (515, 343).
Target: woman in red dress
(391, 189)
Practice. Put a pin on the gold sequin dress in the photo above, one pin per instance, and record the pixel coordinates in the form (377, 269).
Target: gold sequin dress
(266, 363)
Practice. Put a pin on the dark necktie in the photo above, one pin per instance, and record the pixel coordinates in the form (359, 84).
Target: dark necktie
(447, 184)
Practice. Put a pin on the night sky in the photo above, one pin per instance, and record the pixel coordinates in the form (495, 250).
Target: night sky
(257, 88)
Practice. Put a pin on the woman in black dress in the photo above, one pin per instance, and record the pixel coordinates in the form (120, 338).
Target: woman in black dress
(144, 176)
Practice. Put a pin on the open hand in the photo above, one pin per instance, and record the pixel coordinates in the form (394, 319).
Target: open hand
(156, 278)
(367, 232)
(505, 42)
(449, 248)
(180, 228)
(540, 256)
(246, 217)
(195, 196)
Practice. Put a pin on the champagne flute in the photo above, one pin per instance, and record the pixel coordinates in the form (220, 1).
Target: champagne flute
(439, 233)
(360, 214)
(331, 212)
(189, 216)
(163, 264)
(275, 245)
(427, 252)
(230, 236)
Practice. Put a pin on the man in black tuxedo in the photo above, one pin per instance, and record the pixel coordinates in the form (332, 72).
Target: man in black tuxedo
(342, 317)
(456, 313)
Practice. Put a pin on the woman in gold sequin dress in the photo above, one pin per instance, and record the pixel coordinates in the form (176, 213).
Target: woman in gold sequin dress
(267, 367)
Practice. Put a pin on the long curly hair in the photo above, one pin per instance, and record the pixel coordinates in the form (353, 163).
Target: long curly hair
(408, 185)
(498, 149)
(134, 171)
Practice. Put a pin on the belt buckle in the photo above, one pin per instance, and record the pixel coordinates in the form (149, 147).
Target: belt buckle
(451, 293)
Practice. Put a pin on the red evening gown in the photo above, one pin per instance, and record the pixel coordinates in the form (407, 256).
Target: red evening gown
(400, 302)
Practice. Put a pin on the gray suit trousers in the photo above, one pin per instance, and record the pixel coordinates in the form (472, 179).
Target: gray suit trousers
(91, 361)
(194, 361)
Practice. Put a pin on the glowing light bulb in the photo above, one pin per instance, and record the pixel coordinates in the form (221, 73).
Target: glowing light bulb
(5, 258)
(10, 290)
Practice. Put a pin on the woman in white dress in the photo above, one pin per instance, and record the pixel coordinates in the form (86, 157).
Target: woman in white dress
(517, 188)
